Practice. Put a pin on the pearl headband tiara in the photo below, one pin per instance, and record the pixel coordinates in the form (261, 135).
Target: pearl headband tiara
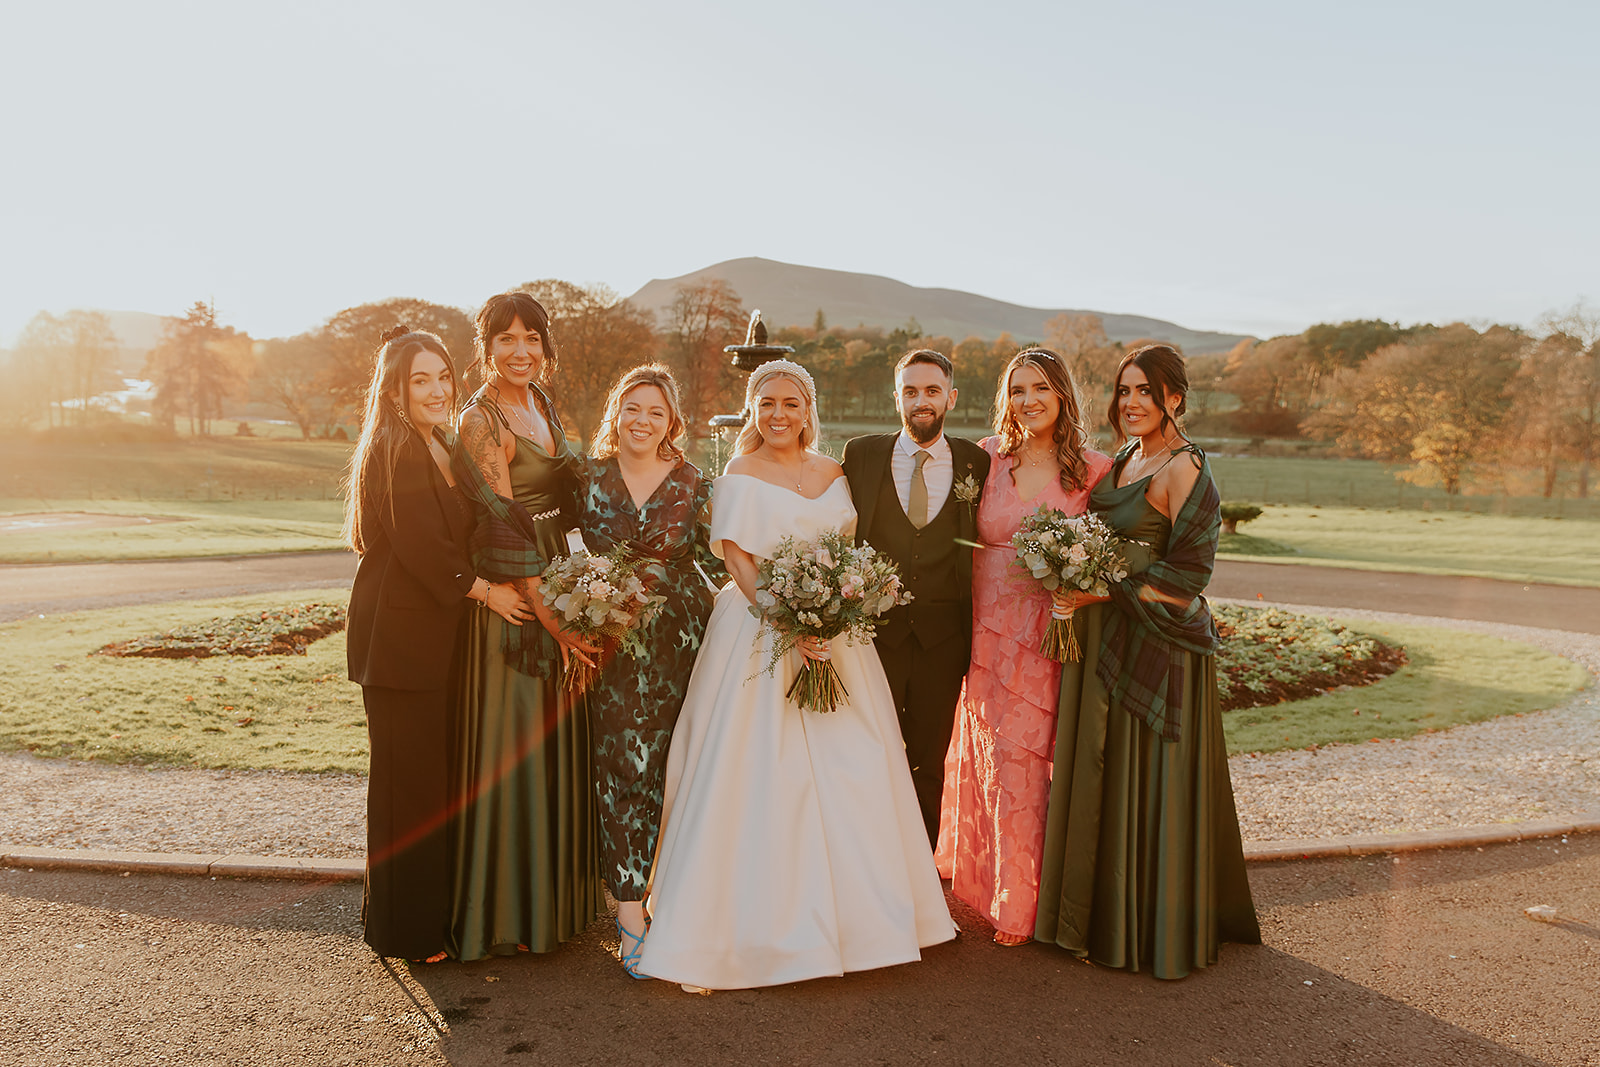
(778, 366)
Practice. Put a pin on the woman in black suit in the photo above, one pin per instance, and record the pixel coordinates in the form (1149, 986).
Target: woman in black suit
(410, 527)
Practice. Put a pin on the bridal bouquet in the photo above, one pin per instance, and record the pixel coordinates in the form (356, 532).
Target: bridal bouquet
(824, 588)
(1061, 553)
(601, 598)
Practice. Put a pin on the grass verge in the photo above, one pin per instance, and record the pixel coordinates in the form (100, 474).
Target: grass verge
(293, 713)
(299, 713)
(1454, 677)
(1513, 548)
(195, 528)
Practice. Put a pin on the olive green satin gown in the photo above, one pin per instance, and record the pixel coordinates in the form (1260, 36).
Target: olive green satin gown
(526, 868)
(1142, 867)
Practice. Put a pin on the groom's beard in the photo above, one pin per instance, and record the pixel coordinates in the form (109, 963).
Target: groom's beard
(925, 430)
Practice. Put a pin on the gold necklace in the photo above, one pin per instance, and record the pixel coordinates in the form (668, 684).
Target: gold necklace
(522, 414)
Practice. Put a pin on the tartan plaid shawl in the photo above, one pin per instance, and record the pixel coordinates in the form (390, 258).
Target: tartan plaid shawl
(1161, 615)
(505, 543)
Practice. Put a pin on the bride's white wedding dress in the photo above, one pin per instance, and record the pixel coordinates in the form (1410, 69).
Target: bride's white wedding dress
(792, 845)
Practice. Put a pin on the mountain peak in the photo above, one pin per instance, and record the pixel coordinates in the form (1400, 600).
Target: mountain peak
(790, 295)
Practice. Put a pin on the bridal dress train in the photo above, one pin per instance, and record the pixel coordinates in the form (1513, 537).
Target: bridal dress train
(792, 845)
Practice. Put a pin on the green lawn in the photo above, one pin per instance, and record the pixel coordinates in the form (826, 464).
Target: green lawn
(1523, 549)
(190, 468)
(299, 713)
(295, 713)
(1454, 677)
(202, 528)
(1370, 484)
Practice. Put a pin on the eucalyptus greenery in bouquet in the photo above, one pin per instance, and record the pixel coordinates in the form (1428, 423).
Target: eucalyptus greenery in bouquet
(824, 588)
(601, 598)
(1068, 553)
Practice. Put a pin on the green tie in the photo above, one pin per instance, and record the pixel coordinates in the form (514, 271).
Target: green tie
(918, 511)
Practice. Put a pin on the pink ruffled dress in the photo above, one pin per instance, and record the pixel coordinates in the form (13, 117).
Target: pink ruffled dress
(997, 772)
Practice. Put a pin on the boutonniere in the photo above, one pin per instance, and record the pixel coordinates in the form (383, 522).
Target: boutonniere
(967, 490)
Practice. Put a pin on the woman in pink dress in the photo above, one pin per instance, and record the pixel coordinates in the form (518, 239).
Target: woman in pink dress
(997, 773)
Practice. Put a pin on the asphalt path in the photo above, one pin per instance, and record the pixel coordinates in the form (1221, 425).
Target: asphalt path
(47, 589)
(1417, 958)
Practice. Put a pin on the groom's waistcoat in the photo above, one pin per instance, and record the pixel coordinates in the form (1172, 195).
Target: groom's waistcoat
(928, 566)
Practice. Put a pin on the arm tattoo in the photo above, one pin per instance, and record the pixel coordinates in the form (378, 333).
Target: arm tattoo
(481, 438)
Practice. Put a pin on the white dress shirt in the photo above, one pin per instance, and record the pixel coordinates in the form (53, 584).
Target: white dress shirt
(938, 471)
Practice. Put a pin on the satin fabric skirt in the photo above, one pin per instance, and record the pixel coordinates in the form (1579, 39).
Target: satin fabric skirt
(1143, 868)
(405, 904)
(525, 860)
(792, 843)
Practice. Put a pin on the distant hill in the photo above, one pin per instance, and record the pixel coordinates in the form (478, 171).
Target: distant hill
(138, 331)
(788, 294)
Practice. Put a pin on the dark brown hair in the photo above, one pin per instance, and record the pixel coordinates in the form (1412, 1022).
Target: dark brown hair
(1070, 436)
(385, 428)
(656, 374)
(927, 355)
(1163, 369)
(497, 314)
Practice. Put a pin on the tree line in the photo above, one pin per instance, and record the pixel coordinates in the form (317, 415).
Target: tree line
(1455, 402)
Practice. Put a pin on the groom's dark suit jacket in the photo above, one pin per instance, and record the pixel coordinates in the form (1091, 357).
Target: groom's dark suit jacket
(882, 523)
(924, 646)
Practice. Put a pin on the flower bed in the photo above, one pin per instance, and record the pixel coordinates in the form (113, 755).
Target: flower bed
(280, 632)
(1269, 656)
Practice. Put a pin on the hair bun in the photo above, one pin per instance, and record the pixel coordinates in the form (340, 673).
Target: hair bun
(399, 330)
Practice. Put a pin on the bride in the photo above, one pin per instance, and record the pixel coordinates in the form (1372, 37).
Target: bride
(792, 845)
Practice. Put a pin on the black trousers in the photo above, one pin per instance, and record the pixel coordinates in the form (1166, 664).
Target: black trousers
(406, 905)
(926, 683)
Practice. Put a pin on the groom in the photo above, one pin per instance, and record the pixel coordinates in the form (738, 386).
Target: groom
(916, 493)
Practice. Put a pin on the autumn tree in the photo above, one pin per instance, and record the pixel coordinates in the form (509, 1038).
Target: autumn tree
(195, 366)
(704, 317)
(1436, 400)
(352, 337)
(296, 374)
(37, 384)
(599, 336)
(1575, 385)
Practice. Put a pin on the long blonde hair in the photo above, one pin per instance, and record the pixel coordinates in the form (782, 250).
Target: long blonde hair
(1071, 436)
(656, 374)
(750, 437)
(385, 428)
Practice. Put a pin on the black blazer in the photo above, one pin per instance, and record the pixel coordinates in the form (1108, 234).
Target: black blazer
(866, 465)
(412, 581)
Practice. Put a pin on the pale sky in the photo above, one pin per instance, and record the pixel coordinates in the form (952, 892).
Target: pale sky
(1249, 167)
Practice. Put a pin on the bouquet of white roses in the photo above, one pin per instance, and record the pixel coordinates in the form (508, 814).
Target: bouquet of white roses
(1061, 553)
(601, 598)
(823, 588)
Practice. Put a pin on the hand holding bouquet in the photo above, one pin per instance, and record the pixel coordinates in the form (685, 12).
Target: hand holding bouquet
(601, 598)
(1062, 553)
(823, 588)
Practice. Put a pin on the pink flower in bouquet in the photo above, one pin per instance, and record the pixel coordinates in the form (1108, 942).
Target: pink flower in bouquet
(822, 556)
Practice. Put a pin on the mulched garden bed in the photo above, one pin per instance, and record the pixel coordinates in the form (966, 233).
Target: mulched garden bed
(1269, 656)
(284, 632)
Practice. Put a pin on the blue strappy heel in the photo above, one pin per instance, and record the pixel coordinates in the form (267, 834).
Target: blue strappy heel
(630, 960)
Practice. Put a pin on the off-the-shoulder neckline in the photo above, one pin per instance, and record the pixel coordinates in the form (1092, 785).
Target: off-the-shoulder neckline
(784, 488)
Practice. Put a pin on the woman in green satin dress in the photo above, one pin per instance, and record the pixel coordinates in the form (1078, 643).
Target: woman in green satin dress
(526, 871)
(1143, 868)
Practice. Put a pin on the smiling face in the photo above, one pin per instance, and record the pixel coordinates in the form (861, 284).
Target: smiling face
(1033, 403)
(517, 354)
(1138, 411)
(427, 393)
(922, 395)
(643, 420)
(781, 412)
